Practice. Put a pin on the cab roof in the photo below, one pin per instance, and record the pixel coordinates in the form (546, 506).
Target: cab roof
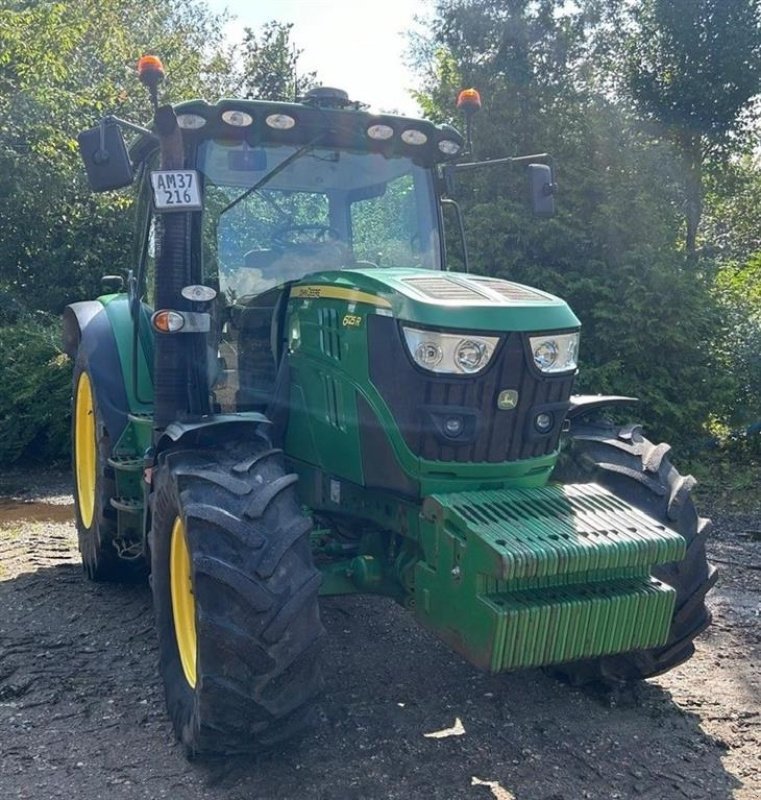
(345, 126)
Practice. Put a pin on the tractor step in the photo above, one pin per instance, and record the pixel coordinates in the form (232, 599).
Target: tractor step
(529, 577)
(127, 505)
(128, 471)
(139, 432)
(141, 418)
(127, 463)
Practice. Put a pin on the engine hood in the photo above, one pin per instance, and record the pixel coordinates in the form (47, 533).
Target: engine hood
(451, 300)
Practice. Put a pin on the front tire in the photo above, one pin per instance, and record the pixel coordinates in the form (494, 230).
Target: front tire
(639, 472)
(235, 596)
(94, 484)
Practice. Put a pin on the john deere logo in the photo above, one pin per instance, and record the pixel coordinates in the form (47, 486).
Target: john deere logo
(507, 400)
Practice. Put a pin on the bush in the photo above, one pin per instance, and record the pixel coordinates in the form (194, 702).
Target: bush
(35, 390)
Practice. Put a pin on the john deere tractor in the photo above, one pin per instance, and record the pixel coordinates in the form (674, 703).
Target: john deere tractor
(291, 396)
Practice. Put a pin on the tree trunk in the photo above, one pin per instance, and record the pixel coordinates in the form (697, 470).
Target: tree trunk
(691, 149)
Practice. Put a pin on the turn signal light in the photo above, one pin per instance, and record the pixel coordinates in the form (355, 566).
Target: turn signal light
(166, 321)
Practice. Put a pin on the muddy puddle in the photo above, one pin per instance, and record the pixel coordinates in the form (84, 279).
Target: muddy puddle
(13, 512)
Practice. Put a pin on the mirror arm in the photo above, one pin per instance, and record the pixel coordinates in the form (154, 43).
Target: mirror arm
(468, 165)
(125, 124)
(101, 156)
(447, 201)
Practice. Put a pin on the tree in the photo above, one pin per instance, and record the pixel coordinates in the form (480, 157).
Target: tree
(693, 67)
(612, 250)
(270, 64)
(62, 66)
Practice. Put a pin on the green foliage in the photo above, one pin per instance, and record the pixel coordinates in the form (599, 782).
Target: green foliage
(653, 326)
(35, 390)
(738, 292)
(646, 108)
(270, 64)
(694, 64)
(728, 477)
(62, 66)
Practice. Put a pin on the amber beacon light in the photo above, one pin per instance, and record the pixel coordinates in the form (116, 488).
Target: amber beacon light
(150, 70)
(469, 101)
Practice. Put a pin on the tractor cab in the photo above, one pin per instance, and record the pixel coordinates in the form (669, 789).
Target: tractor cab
(287, 190)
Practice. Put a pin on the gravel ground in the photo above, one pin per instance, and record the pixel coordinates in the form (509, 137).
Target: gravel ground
(82, 711)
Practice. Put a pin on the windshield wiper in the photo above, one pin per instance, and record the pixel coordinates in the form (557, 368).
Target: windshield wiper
(276, 170)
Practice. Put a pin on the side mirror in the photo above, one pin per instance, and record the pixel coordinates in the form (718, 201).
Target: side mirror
(542, 189)
(105, 155)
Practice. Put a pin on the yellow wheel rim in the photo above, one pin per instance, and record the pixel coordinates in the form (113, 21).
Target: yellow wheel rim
(183, 602)
(85, 450)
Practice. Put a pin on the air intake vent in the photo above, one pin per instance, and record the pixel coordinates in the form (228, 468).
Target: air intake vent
(330, 333)
(440, 288)
(334, 407)
(513, 292)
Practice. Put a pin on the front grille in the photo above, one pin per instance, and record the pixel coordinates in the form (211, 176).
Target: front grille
(500, 435)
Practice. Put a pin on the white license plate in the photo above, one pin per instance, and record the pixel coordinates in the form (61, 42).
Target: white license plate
(176, 190)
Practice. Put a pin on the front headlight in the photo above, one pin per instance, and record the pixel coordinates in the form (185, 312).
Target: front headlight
(555, 352)
(449, 353)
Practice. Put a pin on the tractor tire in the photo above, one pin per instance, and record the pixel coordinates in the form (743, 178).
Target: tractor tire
(235, 596)
(94, 485)
(639, 472)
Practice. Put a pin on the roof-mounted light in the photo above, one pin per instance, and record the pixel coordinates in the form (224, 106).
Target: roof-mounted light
(380, 132)
(198, 293)
(414, 137)
(449, 147)
(191, 122)
(238, 119)
(280, 122)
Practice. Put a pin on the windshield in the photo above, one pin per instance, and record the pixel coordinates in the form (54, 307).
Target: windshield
(276, 213)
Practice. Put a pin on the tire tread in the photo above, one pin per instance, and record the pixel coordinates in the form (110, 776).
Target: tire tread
(625, 462)
(258, 664)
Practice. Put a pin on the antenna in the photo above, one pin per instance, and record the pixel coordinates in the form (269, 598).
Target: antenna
(295, 74)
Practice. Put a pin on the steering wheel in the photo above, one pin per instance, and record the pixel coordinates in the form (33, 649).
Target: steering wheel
(309, 233)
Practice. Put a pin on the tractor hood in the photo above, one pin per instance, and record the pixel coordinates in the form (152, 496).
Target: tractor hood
(448, 300)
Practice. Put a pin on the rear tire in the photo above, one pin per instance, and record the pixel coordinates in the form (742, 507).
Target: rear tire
(239, 636)
(94, 484)
(633, 468)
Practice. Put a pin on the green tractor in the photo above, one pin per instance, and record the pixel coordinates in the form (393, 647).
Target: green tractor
(292, 397)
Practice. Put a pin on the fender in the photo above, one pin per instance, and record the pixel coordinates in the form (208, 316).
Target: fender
(583, 404)
(100, 333)
(76, 317)
(248, 422)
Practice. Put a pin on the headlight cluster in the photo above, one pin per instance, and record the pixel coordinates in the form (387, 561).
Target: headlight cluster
(448, 352)
(555, 352)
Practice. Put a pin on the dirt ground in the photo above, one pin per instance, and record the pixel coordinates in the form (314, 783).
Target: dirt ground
(82, 710)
